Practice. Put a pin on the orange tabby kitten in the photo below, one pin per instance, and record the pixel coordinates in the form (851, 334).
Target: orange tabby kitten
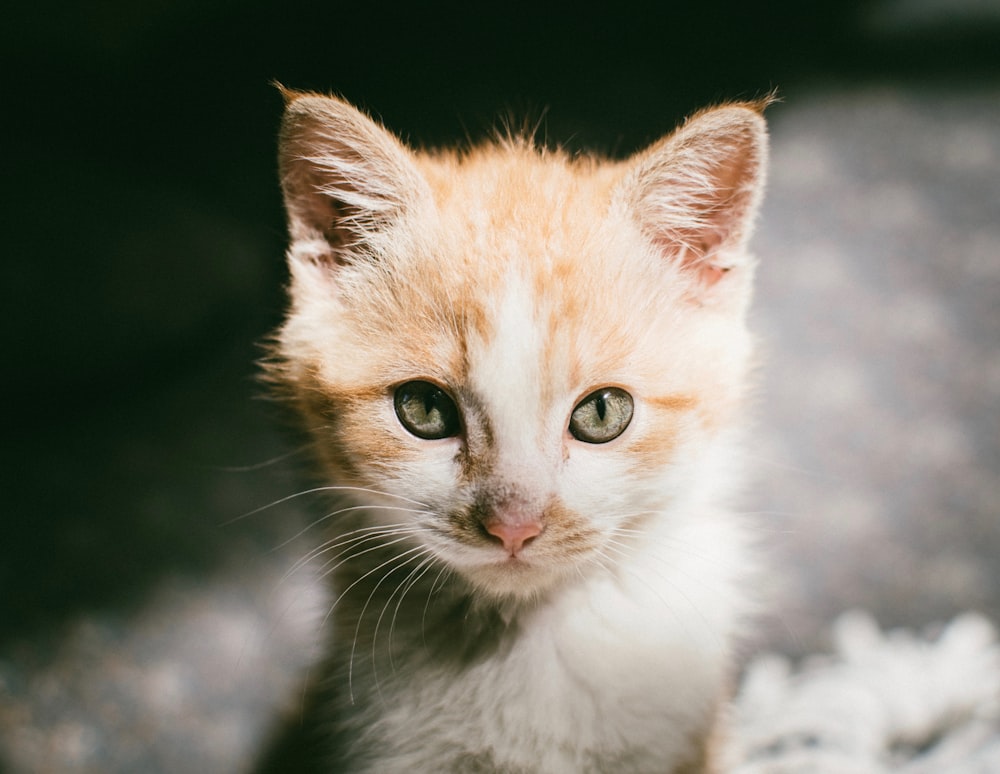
(525, 374)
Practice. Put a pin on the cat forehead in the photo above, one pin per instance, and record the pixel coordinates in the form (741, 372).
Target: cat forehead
(494, 186)
(513, 223)
(536, 328)
(523, 259)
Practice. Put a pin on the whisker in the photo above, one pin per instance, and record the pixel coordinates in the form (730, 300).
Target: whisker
(318, 490)
(342, 594)
(444, 573)
(598, 559)
(677, 546)
(620, 567)
(275, 503)
(266, 463)
(340, 511)
(372, 533)
(402, 587)
(327, 570)
(668, 542)
(618, 549)
(755, 458)
(427, 564)
(354, 538)
(388, 601)
(402, 560)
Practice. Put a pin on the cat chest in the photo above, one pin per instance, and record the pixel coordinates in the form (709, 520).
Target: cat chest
(577, 691)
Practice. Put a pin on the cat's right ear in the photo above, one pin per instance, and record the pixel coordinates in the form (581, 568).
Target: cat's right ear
(346, 180)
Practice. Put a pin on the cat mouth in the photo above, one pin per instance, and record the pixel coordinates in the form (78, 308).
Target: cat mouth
(514, 562)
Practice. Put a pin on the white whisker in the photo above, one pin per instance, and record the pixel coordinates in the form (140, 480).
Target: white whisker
(444, 574)
(426, 565)
(400, 560)
(319, 490)
(370, 534)
(401, 588)
(266, 463)
(621, 551)
(332, 565)
(341, 511)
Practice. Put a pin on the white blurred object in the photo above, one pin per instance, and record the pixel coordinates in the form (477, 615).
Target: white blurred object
(882, 702)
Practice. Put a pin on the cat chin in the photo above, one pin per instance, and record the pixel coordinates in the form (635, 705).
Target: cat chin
(513, 580)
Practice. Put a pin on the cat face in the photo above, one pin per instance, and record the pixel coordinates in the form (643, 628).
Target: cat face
(522, 359)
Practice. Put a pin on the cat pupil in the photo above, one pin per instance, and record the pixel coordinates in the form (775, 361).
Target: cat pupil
(600, 406)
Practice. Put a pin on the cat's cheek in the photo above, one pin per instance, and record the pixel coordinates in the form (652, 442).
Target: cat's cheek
(664, 437)
(430, 478)
(363, 444)
(596, 487)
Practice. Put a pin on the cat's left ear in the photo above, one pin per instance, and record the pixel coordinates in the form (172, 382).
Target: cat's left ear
(695, 193)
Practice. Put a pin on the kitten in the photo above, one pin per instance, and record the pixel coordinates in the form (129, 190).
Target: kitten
(525, 374)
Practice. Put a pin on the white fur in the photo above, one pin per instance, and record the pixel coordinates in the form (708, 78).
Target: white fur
(615, 673)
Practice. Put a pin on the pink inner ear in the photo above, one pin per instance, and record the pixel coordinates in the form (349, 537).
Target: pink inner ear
(711, 274)
(697, 259)
(703, 246)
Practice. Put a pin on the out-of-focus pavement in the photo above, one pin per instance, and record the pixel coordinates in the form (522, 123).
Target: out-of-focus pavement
(879, 310)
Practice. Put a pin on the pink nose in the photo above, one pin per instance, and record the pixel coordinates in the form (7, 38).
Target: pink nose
(514, 535)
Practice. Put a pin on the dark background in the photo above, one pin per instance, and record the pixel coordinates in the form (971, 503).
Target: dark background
(143, 232)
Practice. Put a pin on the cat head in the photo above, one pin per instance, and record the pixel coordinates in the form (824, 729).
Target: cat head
(516, 357)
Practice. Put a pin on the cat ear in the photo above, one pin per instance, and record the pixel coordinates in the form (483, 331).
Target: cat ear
(695, 193)
(345, 178)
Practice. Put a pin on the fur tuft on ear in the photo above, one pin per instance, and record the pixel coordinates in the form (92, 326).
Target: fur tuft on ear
(345, 178)
(695, 193)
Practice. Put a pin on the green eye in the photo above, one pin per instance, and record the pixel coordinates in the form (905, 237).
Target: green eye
(427, 411)
(602, 416)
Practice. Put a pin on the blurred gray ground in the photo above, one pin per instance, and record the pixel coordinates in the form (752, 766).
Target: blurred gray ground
(877, 452)
(879, 310)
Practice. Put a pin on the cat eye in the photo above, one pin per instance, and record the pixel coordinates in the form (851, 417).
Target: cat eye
(427, 411)
(602, 416)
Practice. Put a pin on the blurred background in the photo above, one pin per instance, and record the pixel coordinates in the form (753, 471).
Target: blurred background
(147, 622)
